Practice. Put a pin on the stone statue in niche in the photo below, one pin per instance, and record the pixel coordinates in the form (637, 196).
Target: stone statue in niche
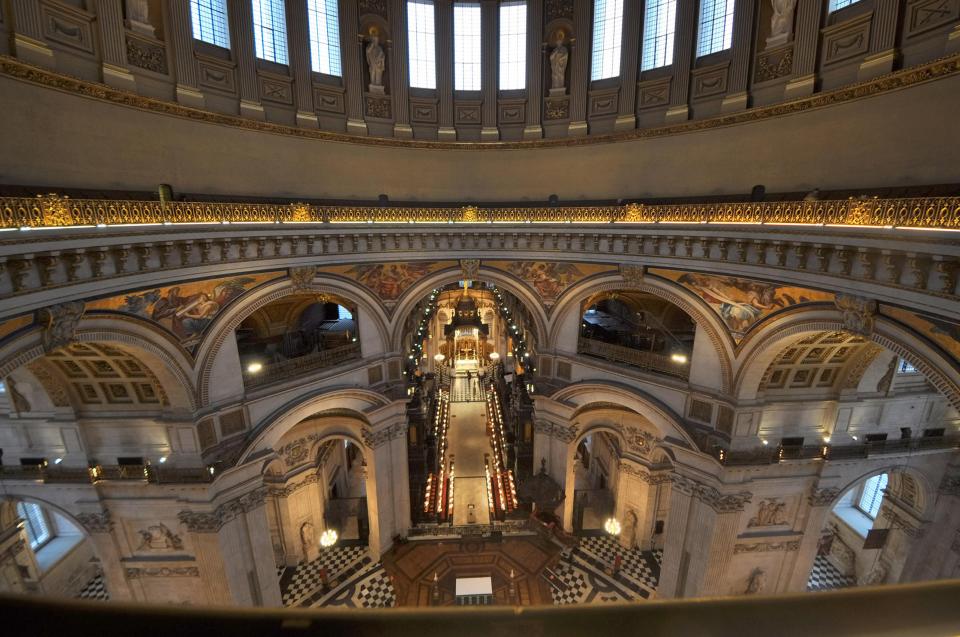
(769, 513)
(781, 24)
(558, 64)
(755, 582)
(138, 17)
(308, 542)
(376, 61)
(159, 538)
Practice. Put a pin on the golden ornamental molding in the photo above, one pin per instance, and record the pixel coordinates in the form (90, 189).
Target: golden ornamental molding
(52, 211)
(936, 69)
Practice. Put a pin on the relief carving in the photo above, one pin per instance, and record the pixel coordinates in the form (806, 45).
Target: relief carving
(769, 513)
(858, 313)
(755, 582)
(159, 538)
(302, 277)
(60, 324)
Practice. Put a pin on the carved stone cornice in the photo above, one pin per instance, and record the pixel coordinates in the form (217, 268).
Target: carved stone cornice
(302, 277)
(60, 324)
(289, 489)
(766, 547)
(162, 571)
(378, 438)
(653, 478)
(564, 433)
(632, 274)
(200, 522)
(858, 313)
(96, 522)
(719, 502)
(205, 522)
(822, 497)
(470, 269)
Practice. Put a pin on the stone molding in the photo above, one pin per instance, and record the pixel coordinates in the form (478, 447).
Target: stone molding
(60, 324)
(101, 522)
(766, 547)
(162, 571)
(712, 497)
(564, 433)
(858, 313)
(205, 522)
(822, 497)
(950, 485)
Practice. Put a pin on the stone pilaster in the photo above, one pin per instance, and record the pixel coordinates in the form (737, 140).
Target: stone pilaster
(350, 52)
(533, 129)
(723, 536)
(181, 45)
(301, 67)
(489, 24)
(674, 553)
(113, 46)
(683, 46)
(444, 29)
(399, 70)
(28, 44)
(580, 67)
(244, 53)
(819, 504)
(883, 51)
(629, 60)
(806, 40)
(737, 98)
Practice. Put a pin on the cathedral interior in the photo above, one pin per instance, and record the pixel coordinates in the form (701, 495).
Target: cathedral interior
(616, 316)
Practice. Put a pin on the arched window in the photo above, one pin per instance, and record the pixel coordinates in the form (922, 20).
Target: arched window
(324, 36)
(467, 46)
(871, 495)
(36, 523)
(659, 24)
(840, 4)
(209, 19)
(513, 45)
(716, 26)
(607, 39)
(422, 37)
(270, 30)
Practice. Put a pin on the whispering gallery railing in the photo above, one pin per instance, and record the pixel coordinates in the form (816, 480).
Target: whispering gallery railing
(56, 211)
(648, 361)
(295, 367)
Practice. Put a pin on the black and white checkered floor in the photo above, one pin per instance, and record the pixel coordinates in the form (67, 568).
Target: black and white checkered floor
(95, 589)
(355, 581)
(826, 577)
(466, 391)
(582, 574)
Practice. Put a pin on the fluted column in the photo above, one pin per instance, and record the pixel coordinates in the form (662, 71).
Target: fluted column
(737, 98)
(399, 73)
(444, 29)
(723, 536)
(675, 559)
(626, 115)
(533, 129)
(28, 44)
(181, 47)
(883, 39)
(488, 56)
(580, 67)
(683, 45)
(241, 32)
(806, 41)
(113, 45)
(812, 525)
(350, 51)
(298, 38)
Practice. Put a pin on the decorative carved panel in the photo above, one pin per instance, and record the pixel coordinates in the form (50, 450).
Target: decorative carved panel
(378, 107)
(67, 26)
(709, 81)
(700, 410)
(604, 102)
(393, 369)
(558, 9)
(467, 113)
(556, 108)
(563, 370)
(206, 434)
(925, 15)
(774, 63)
(847, 39)
(232, 422)
(724, 419)
(653, 93)
(376, 7)
(375, 374)
(146, 54)
(328, 99)
(274, 88)
(216, 74)
(423, 111)
(513, 112)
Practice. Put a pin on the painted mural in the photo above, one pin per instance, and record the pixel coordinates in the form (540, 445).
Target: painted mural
(186, 309)
(940, 330)
(388, 281)
(742, 303)
(9, 327)
(549, 279)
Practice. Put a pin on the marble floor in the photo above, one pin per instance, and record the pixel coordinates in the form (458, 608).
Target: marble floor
(826, 577)
(355, 579)
(467, 443)
(95, 589)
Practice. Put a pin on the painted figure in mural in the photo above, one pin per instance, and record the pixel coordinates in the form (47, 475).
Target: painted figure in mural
(549, 279)
(389, 281)
(558, 61)
(376, 58)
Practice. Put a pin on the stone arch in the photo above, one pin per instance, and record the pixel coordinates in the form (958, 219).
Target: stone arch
(508, 282)
(227, 322)
(572, 299)
(12, 496)
(925, 490)
(761, 348)
(167, 360)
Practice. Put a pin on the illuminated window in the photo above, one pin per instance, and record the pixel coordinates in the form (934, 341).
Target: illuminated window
(513, 45)
(35, 522)
(324, 36)
(423, 47)
(343, 313)
(906, 367)
(209, 19)
(839, 4)
(270, 30)
(659, 23)
(607, 38)
(872, 495)
(466, 46)
(716, 26)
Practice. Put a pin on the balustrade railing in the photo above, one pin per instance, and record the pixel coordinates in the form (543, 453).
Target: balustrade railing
(648, 361)
(156, 474)
(772, 455)
(53, 211)
(284, 370)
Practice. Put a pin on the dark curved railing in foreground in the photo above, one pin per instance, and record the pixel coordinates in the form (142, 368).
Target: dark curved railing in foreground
(918, 610)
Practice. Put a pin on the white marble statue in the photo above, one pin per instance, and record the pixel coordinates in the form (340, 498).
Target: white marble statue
(558, 64)
(781, 24)
(138, 17)
(376, 61)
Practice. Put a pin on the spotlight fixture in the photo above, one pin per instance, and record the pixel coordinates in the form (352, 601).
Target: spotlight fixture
(680, 359)
(163, 459)
(57, 460)
(255, 367)
(764, 442)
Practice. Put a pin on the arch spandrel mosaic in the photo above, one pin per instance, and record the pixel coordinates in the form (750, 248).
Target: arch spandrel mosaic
(548, 278)
(943, 332)
(388, 281)
(742, 303)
